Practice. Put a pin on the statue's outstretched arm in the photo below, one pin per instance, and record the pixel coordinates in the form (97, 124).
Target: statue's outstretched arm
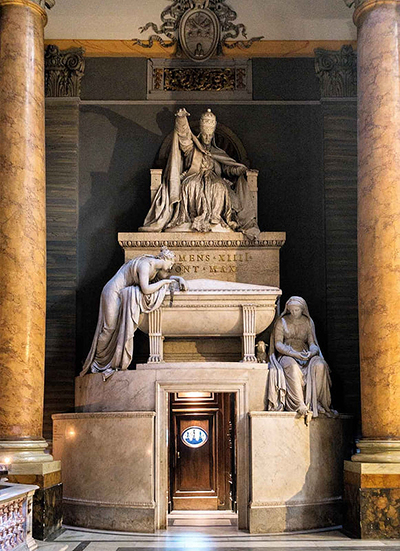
(182, 128)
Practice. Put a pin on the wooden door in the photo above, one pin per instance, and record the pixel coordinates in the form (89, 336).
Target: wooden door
(201, 452)
(195, 476)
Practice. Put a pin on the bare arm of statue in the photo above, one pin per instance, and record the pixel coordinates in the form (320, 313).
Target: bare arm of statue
(181, 281)
(285, 349)
(165, 275)
(182, 128)
(146, 287)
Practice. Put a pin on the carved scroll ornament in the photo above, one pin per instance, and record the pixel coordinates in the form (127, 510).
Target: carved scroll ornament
(63, 71)
(198, 28)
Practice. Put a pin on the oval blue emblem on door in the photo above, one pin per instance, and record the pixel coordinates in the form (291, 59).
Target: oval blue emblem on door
(194, 437)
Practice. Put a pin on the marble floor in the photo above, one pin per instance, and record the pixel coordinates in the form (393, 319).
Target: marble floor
(208, 531)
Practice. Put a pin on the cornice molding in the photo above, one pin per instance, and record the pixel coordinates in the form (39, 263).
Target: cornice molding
(337, 72)
(63, 71)
(145, 243)
(264, 48)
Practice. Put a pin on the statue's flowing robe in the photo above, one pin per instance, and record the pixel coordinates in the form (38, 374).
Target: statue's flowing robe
(121, 304)
(193, 190)
(310, 385)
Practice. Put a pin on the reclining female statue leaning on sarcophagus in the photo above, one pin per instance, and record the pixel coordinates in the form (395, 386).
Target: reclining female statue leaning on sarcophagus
(138, 286)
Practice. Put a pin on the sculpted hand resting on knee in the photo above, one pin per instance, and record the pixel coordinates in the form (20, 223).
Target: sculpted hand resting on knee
(298, 377)
(138, 286)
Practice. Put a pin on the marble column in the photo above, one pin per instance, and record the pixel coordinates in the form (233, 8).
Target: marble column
(23, 243)
(375, 470)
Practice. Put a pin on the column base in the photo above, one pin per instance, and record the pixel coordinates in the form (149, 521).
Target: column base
(372, 499)
(377, 451)
(24, 451)
(47, 500)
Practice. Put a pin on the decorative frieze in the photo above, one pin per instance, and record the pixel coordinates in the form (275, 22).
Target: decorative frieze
(337, 72)
(63, 71)
(203, 243)
(179, 79)
(198, 78)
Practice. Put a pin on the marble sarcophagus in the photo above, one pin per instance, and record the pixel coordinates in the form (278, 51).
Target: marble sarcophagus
(212, 308)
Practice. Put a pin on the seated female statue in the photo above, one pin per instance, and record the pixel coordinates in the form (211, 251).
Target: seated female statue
(138, 286)
(299, 377)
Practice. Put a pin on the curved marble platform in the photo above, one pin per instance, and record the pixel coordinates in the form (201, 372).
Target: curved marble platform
(115, 455)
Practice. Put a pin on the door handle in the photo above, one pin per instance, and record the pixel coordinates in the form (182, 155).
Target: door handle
(178, 455)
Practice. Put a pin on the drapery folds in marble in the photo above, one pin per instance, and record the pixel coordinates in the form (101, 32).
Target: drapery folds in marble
(297, 384)
(121, 304)
(194, 195)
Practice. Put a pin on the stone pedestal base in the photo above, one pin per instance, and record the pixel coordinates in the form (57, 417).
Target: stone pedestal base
(47, 500)
(372, 499)
(108, 469)
(135, 390)
(296, 472)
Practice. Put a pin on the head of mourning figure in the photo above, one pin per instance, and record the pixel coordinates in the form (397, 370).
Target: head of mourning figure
(296, 306)
(168, 257)
(208, 123)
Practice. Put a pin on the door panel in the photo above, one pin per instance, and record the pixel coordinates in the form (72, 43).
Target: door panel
(202, 470)
(195, 465)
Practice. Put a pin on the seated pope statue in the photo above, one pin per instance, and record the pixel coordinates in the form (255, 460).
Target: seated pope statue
(138, 286)
(298, 376)
(203, 189)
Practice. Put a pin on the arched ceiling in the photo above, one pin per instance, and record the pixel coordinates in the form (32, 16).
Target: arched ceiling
(274, 19)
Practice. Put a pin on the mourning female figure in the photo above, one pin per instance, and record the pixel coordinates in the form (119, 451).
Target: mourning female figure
(138, 287)
(298, 377)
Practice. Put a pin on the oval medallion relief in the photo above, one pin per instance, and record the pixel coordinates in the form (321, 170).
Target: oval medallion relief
(199, 32)
(194, 437)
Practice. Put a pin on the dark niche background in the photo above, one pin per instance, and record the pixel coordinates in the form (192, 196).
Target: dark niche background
(299, 152)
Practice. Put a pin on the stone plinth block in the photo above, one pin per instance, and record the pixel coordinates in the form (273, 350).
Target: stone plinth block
(229, 256)
(372, 500)
(108, 469)
(136, 390)
(296, 472)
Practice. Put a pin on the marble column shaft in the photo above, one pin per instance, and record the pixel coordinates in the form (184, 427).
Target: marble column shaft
(379, 216)
(22, 220)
